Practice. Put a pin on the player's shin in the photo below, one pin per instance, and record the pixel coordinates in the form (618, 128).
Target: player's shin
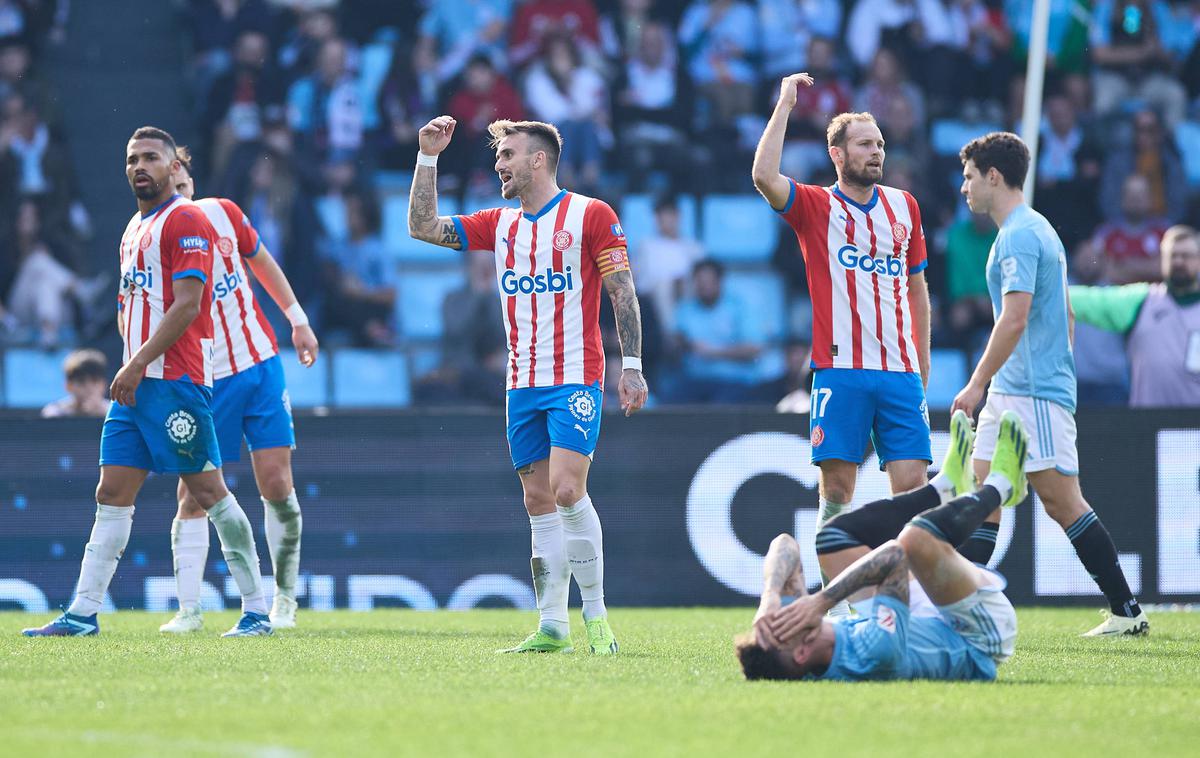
(284, 524)
(189, 548)
(1098, 554)
(585, 554)
(110, 535)
(241, 555)
(551, 574)
(955, 521)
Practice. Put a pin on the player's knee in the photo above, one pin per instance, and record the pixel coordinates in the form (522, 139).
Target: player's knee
(567, 494)
(275, 483)
(918, 542)
(189, 508)
(537, 503)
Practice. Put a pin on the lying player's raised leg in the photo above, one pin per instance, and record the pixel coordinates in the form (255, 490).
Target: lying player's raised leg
(189, 550)
(284, 524)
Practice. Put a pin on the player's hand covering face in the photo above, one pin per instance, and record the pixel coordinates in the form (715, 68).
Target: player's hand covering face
(798, 621)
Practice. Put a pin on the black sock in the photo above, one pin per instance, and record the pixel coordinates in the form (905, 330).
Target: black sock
(981, 544)
(875, 523)
(955, 521)
(1094, 546)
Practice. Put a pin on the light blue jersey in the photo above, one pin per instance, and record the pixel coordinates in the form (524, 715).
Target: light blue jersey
(1028, 256)
(890, 643)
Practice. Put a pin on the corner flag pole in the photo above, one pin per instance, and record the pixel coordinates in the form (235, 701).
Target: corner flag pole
(1035, 75)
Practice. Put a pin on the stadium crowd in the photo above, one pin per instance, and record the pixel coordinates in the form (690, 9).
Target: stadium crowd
(307, 111)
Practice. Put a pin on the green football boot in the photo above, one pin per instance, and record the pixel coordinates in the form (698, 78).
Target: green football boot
(956, 466)
(1012, 447)
(600, 636)
(542, 642)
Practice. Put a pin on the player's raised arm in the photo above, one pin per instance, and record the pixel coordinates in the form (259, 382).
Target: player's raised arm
(424, 223)
(782, 573)
(773, 185)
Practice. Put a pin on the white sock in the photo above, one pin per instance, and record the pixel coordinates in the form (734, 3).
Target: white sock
(828, 511)
(284, 523)
(551, 574)
(944, 487)
(585, 554)
(189, 546)
(241, 555)
(110, 535)
(1001, 483)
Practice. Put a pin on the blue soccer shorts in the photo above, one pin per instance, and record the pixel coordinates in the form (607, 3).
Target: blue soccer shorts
(253, 404)
(169, 431)
(852, 407)
(566, 416)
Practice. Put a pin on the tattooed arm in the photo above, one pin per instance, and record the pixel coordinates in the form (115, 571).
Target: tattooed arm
(424, 223)
(628, 314)
(885, 568)
(782, 574)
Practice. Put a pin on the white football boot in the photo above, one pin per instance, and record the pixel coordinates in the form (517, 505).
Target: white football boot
(283, 612)
(1118, 626)
(186, 621)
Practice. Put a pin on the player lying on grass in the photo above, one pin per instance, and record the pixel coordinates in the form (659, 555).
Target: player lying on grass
(898, 635)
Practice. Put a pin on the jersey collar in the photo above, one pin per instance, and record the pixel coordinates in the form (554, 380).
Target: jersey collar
(168, 201)
(864, 208)
(545, 208)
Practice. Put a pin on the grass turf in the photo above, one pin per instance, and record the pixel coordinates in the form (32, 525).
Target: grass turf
(409, 683)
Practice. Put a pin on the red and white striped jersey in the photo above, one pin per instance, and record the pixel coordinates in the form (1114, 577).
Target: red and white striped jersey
(858, 259)
(242, 337)
(174, 241)
(549, 268)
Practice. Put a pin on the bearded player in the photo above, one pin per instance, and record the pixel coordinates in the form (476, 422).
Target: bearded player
(249, 400)
(864, 251)
(161, 417)
(552, 255)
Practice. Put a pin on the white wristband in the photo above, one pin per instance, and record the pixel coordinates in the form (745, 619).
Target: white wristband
(296, 315)
(426, 160)
(631, 363)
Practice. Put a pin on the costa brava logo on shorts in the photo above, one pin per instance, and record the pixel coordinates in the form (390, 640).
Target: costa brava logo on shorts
(850, 257)
(181, 427)
(512, 283)
(582, 406)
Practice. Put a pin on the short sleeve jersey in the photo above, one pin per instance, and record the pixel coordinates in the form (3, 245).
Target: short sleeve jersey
(549, 270)
(1028, 256)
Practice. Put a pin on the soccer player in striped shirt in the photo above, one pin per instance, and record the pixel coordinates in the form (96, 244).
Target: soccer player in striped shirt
(1028, 368)
(250, 400)
(864, 252)
(161, 417)
(553, 254)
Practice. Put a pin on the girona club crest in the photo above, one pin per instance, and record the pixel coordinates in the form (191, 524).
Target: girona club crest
(144, 242)
(562, 240)
(225, 245)
(818, 436)
(899, 231)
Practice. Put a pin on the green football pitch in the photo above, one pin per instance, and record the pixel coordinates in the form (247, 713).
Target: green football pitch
(407, 683)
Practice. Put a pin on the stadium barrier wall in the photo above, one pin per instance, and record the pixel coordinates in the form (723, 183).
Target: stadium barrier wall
(423, 510)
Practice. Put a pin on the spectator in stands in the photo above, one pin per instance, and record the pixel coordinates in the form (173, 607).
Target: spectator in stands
(1153, 155)
(452, 31)
(888, 83)
(87, 381)
(1128, 245)
(908, 146)
(1179, 25)
(904, 25)
(794, 389)
(719, 340)
(573, 97)
(361, 279)
(301, 46)
(474, 346)
(720, 40)
(242, 99)
(214, 26)
(805, 150)
(982, 34)
(324, 109)
(406, 102)
(664, 260)
(1101, 366)
(44, 291)
(621, 27)
(539, 20)
(1068, 170)
(1066, 38)
(1160, 322)
(652, 108)
(968, 244)
(788, 28)
(485, 96)
(1130, 60)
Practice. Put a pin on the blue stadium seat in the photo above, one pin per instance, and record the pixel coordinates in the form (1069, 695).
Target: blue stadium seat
(419, 304)
(739, 228)
(947, 375)
(370, 378)
(1187, 137)
(395, 232)
(307, 387)
(33, 378)
(332, 213)
(474, 203)
(424, 359)
(637, 217)
(947, 136)
(763, 294)
(394, 182)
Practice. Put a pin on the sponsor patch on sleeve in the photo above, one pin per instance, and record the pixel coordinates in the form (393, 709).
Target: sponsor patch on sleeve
(617, 230)
(193, 244)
